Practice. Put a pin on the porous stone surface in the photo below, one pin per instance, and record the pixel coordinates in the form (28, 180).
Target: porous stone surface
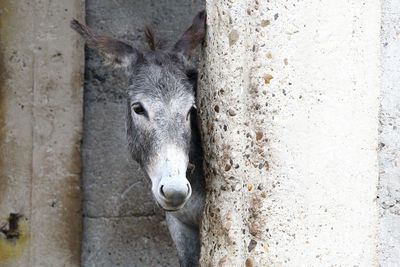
(290, 127)
(122, 225)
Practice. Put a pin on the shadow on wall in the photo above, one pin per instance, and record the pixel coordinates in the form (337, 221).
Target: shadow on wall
(122, 225)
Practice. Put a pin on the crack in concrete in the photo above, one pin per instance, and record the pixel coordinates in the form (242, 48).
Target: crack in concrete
(136, 215)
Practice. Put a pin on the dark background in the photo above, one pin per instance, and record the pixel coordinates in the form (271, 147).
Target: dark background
(122, 225)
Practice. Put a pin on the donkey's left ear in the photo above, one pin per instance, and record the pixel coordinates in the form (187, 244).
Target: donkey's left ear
(117, 53)
(192, 36)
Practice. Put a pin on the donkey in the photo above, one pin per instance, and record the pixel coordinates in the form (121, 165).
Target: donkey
(161, 124)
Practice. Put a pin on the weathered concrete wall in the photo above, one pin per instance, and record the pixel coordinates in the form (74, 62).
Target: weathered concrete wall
(292, 85)
(122, 225)
(41, 66)
(389, 153)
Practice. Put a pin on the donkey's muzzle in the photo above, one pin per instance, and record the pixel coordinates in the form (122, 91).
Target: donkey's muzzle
(174, 194)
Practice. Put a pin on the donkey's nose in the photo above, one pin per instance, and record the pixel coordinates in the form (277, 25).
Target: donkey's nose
(175, 193)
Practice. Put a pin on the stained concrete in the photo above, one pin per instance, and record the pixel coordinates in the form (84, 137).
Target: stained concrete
(122, 225)
(41, 122)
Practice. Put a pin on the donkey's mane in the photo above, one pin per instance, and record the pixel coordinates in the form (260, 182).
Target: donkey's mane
(151, 39)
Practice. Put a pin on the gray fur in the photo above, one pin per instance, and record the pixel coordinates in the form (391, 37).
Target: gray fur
(161, 84)
(161, 124)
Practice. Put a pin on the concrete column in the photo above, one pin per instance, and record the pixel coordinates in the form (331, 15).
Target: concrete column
(41, 62)
(289, 102)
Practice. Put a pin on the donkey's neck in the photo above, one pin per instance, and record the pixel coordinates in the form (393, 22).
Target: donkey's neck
(196, 178)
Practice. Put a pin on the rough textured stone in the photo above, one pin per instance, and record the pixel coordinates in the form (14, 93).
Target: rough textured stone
(113, 184)
(310, 82)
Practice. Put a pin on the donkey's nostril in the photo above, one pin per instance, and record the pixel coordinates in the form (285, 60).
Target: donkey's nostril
(162, 191)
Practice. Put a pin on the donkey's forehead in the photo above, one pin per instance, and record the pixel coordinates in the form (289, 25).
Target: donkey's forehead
(159, 82)
(175, 101)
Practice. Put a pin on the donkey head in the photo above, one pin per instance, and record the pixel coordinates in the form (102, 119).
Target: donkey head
(160, 101)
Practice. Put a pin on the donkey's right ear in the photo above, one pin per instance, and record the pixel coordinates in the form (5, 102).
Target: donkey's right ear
(117, 53)
(193, 36)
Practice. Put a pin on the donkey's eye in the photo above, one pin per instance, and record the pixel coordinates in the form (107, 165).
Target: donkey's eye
(138, 108)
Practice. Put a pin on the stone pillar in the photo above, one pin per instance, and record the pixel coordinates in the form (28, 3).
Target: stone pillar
(41, 68)
(289, 104)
